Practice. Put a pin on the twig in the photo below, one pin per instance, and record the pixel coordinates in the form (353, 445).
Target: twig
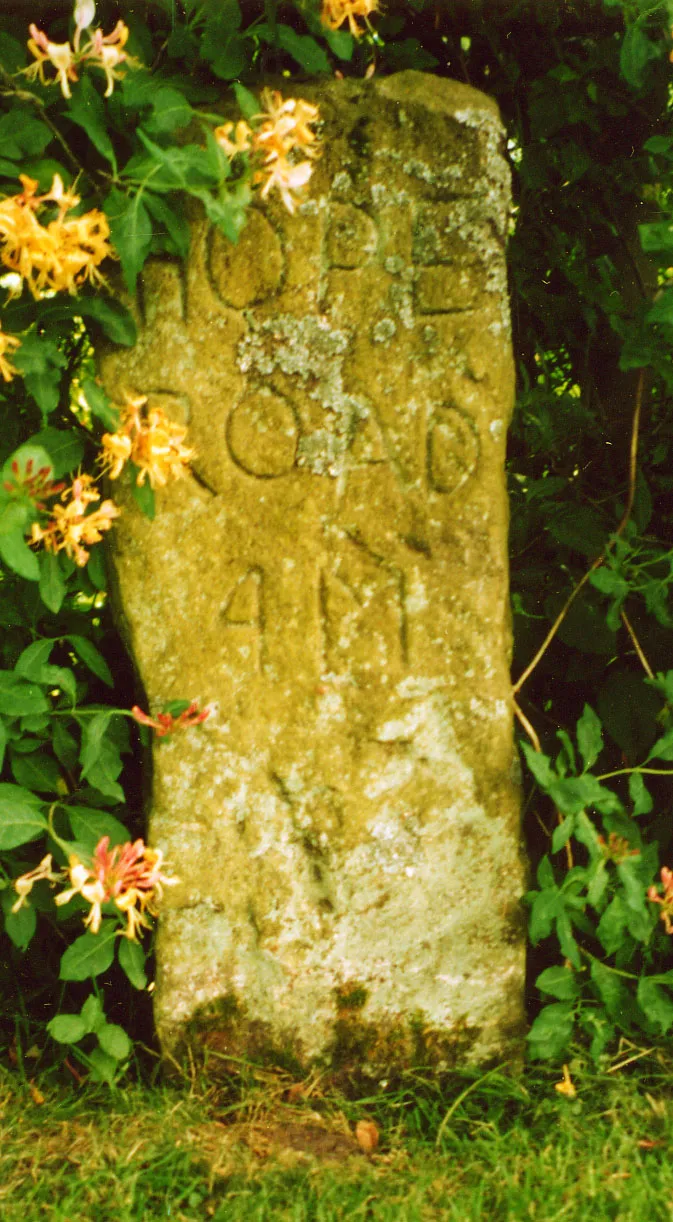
(633, 468)
(527, 726)
(637, 646)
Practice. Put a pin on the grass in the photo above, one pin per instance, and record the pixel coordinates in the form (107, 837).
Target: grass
(258, 1146)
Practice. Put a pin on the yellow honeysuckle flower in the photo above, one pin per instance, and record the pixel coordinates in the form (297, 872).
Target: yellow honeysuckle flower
(335, 12)
(8, 343)
(148, 439)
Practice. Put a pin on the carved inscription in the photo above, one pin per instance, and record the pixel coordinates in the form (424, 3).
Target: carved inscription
(363, 611)
(452, 449)
(249, 271)
(244, 610)
(262, 434)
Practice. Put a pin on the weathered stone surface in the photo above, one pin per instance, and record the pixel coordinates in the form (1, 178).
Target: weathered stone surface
(334, 578)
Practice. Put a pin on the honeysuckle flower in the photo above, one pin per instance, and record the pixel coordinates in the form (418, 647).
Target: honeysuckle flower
(72, 528)
(58, 256)
(335, 12)
(25, 883)
(666, 900)
(59, 54)
(282, 135)
(165, 723)
(617, 848)
(33, 485)
(566, 1086)
(242, 141)
(128, 876)
(85, 11)
(287, 178)
(106, 51)
(8, 344)
(148, 439)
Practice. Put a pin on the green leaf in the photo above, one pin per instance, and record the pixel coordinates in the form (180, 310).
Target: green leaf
(540, 766)
(3, 742)
(186, 168)
(114, 319)
(663, 748)
(612, 925)
(37, 771)
(21, 818)
(52, 586)
(91, 657)
(143, 494)
(100, 758)
(132, 962)
(305, 50)
(19, 698)
(93, 735)
(90, 825)
(656, 1004)
(173, 220)
(131, 232)
(114, 1041)
(100, 405)
(562, 834)
(92, 1014)
(221, 44)
(67, 1028)
(104, 1068)
(551, 1031)
(589, 736)
(640, 795)
(40, 360)
(247, 102)
(559, 982)
(581, 529)
(636, 52)
(662, 310)
(170, 110)
(31, 661)
(87, 109)
(545, 909)
(610, 988)
(63, 447)
(17, 555)
(90, 954)
(634, 887)
(656, 238)
(573, 794)
(20, 926)
(64, 744)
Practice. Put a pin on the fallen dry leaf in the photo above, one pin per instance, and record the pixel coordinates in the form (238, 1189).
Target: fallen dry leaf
(366, 1135)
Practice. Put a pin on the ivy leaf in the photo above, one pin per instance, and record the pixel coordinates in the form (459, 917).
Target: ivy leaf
(21, 818)
(131, 232)
(87, 109)
(132, 962)
(90, 954)
(589, 736)
(91, 657)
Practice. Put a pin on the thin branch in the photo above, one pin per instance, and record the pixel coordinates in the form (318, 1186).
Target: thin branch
(637, 646)
(518, 712)
(633, 470)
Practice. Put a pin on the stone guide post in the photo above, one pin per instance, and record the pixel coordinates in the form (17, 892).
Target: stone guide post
(334, 579)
